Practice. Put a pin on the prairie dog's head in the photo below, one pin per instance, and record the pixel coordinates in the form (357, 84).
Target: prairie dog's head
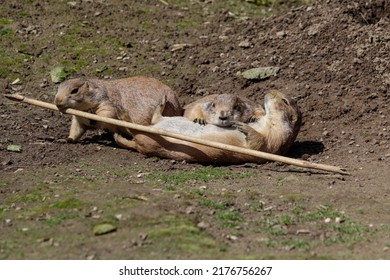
(80, 94)
(281, 108)
(225, 109)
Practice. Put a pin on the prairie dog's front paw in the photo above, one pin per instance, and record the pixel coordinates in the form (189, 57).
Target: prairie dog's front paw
(70, 140)
(252, 119)
(242, 127)
(199, 121)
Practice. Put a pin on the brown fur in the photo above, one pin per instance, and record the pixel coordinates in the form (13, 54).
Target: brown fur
(137, 97)
(222, 110)
(273, 133)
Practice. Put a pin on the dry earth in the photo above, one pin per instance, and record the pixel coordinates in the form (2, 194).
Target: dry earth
(333, 58)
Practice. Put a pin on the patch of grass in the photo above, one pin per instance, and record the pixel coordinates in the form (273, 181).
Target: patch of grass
(177, 234)
(346, 231)
(178, 178)
(5, 21)
(229, 218)
(68, 203)
(5, 32)
(60, 217)
(30, 197)
(9, 62)
(211, 204)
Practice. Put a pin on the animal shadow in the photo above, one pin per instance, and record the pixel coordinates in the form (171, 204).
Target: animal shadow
(301, 148)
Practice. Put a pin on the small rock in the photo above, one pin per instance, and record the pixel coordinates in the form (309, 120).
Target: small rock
(190, 210)
(14, 148)
(325, 133)
(260, 73)
(177, 196)
(103, 229)
(231, 237)
(281, 34)
(202, 225)
(302, 231)
(177, 47)
(6, 162)
(143, 236)
(327, 220)
(44, 83)
(203, 188)
(338, 220)
(244, 44)
(16, 82)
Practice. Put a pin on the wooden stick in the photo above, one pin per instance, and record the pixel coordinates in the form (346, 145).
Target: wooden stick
(149, 129)
(164, 2)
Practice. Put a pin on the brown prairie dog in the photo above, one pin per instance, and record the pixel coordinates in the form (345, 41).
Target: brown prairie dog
(273, 133)
(137, 97)
(222, 110)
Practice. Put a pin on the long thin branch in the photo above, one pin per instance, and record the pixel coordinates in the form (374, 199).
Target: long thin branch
(149, 129)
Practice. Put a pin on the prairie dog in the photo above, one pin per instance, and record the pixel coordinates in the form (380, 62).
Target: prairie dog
(222, 110)
(137, 97)
(273, 133)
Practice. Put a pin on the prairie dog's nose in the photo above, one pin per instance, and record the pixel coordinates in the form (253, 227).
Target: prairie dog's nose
(61, 107)
(223, 116)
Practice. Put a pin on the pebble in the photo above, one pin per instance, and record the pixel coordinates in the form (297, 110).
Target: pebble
(231, 237)
(244, 44)
(281, 34)
(302, 231)
(327, 220)
(190, 210)
(202, 225)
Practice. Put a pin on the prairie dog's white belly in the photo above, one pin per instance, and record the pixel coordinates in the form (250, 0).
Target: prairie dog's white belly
(186, 127)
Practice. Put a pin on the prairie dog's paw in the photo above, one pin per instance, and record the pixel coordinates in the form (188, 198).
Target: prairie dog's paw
(243, 127)
(200, 121)
(252, 119)
(69, 140)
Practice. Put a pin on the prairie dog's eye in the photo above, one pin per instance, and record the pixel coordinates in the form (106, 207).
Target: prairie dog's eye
(285, 101)
(74, 91)
(237, 108)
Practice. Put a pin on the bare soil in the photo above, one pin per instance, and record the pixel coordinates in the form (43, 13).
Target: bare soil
(334, 59)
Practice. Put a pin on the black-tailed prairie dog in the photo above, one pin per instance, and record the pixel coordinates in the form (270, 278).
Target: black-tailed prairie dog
(222, 110)
(272, 133)
(137, 97)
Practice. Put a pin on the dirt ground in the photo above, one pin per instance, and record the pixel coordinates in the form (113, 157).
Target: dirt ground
(333, 58)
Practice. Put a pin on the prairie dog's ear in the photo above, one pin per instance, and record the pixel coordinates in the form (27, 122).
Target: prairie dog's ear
(209, 105)
(88, 86)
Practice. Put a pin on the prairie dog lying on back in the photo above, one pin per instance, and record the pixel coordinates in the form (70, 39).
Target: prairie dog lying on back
(222, 110)
(137, 97)
(273, 133)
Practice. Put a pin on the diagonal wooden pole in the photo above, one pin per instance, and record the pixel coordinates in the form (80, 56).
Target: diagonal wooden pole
(149, 129)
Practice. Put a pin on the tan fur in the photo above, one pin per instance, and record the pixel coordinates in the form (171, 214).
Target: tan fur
(222, 110)
(273, 133)
(137, 97)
